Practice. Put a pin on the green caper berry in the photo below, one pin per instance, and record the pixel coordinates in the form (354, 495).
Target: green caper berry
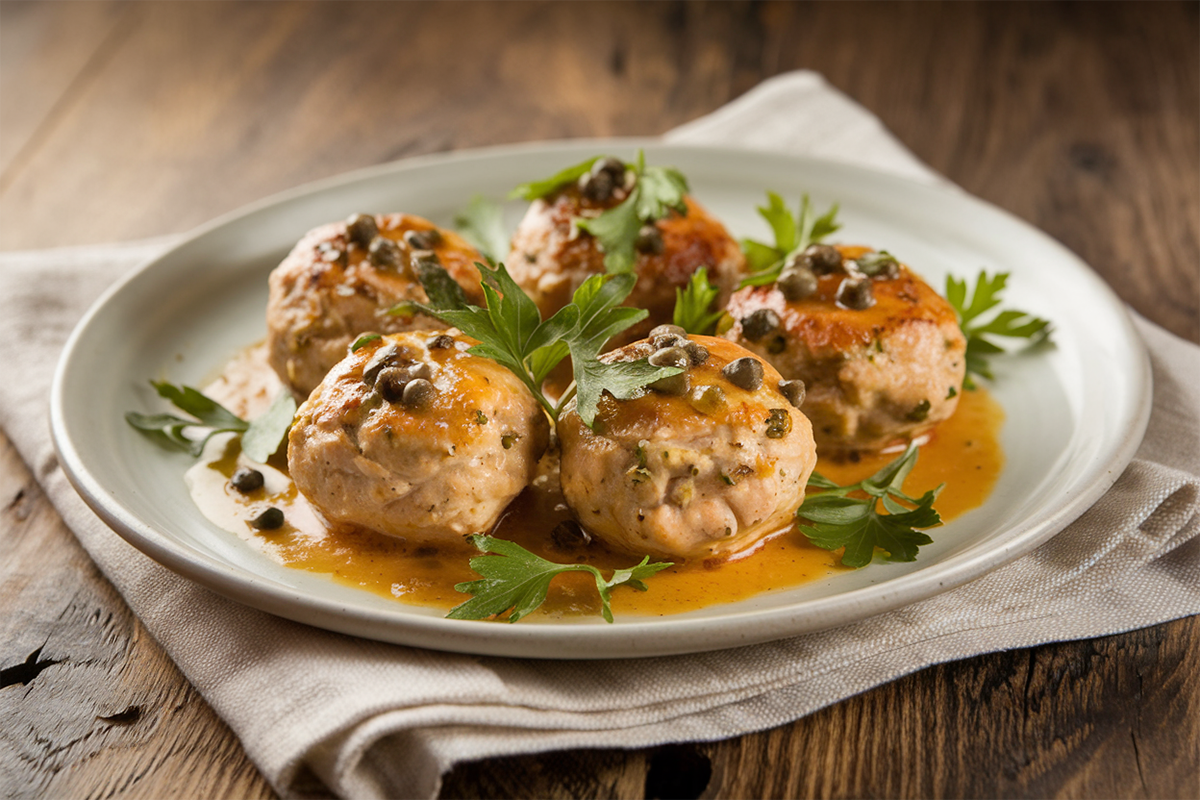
(777, 345)
(744, 373)
(823, 259)
(708, 399)
(697, 352)
(881, 265)
(597, 186)
(361, 229)
(779, 423)
(670, 357)
(649, 240)
(382, 357)
(663, 330)
(569, 535)
(794, 391)
(269, 520)
(390, 383)
(856, 294)
(441, 342)
(246, 480)
(423, 240)
(481, 418)
(383, 252)
(920, 411)
(418, 394)
(796, 283)
(664, 340)
(761, 323)
(508, 440)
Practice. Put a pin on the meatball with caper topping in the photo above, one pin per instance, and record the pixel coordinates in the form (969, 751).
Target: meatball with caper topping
(709, 468)
(341, 279)
(879, 351)
(551, 257)
(412, 436)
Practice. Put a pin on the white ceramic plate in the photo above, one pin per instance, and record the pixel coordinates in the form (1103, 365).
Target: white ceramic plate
(1075, 415)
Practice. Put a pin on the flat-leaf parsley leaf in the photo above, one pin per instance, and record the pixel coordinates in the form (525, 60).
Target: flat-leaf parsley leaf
(855, 523)
(514, 578)
(978, 322)
(793, 234)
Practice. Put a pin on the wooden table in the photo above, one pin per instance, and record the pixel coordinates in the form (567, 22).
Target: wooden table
(120, 121)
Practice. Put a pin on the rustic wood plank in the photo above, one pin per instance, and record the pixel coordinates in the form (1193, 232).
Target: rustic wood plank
(91, 705)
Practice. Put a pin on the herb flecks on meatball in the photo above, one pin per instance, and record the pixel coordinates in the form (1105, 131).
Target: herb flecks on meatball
(880, 353)
(413, 436)
(340, 280)
(708, 469)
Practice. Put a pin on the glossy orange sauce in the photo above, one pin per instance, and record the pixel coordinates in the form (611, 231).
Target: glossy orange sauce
(964, 454)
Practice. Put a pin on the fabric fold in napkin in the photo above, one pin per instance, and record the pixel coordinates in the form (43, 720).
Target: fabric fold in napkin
(376, 720)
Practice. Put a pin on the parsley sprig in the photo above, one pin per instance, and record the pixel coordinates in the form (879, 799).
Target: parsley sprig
(839, 520)
(514, 578)
(512, 333)
(694, 305)
(261, 436)
(978, 322)
(656, 193)
(482, 224)
(792, 235)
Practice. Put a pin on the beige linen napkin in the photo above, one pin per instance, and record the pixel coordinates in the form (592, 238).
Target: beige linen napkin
(375, 720)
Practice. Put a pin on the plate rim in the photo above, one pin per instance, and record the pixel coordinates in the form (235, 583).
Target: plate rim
(576, 639)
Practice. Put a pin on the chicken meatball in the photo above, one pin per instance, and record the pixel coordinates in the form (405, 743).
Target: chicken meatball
(880, 352)
(707, 463)
(551, 257)
(341, 279)
(412, 436)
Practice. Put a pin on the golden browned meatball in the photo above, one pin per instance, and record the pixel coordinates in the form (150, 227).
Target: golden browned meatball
(882, 356)
(412, 436)
(708, 464)
(551, 258)
(341, 279)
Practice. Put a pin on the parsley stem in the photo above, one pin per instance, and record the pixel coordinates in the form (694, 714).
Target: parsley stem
(567, 396)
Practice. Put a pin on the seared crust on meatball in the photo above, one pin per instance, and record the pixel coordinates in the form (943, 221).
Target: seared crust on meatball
(551, 258)
(706, 468)
(876, 376)
(412, 436)
(337, 284)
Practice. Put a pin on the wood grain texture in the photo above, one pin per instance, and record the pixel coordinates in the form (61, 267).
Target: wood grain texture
(122, 120)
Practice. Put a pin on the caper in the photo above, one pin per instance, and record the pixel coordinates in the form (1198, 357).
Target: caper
(707, 399)
(597, 186)
(613, 166)
(793, 390)
(663, 330)
(382, 357)
(777, 345)
(856, 293)
(823, 259)
(670, 357)
(418, 394)
(569, 535)
(697, 352)
(796, 283)
(920, 411)
(649, 240)
(761, 323)
(509, 439)
(672, 384)
(779, 423)
(745, 373)
(441, 342)
(423, 240)
(246, 480)
(881, 265)
(424, 258)
(268, 520)
(667, 340)
(383, 252)
(390, 383)
(361, 229)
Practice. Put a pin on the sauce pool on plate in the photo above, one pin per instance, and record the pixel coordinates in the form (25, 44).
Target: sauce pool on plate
(964, 454)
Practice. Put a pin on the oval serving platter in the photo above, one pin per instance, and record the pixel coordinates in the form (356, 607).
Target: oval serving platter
(1075, 413)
